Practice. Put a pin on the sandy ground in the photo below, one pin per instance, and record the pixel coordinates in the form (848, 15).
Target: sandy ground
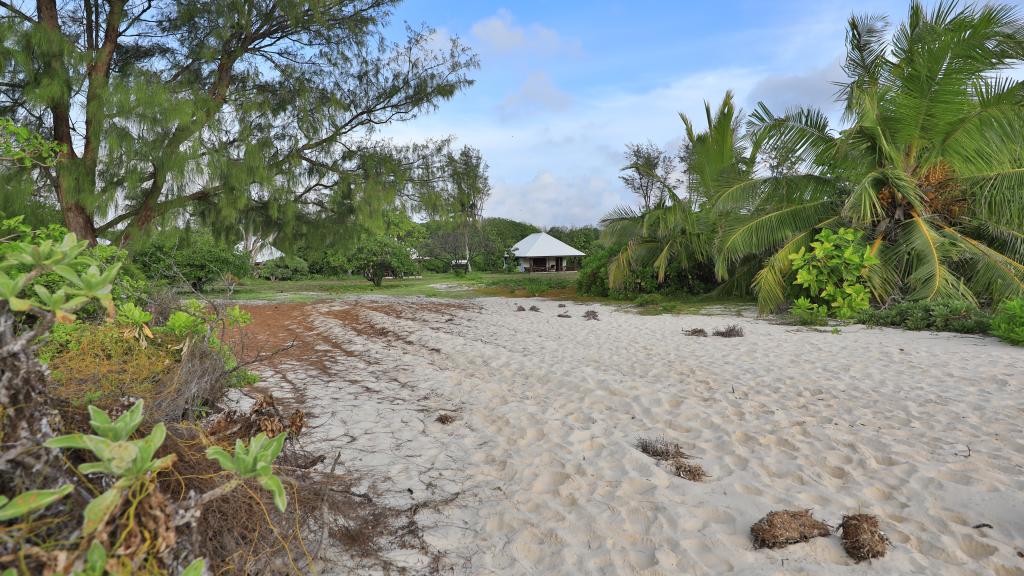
(922, 429)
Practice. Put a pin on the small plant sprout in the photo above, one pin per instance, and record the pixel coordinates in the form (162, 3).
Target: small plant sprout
(135, 321)
(254, 461)
(238, 317)
(30, 501)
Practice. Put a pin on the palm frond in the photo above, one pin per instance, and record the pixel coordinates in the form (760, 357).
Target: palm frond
(770, 281)
(927, 252)
(762, 232)
(993, 274)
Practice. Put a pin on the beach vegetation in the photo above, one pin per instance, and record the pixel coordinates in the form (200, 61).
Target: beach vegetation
(1008, 321)
(937, 315)
(378, 257)
(284, 268)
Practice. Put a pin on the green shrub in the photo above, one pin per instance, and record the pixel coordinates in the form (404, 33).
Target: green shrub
(377, 257)
(592, 279)
(1008, 321)
(285, 268)
(197, 259)
(832, 275)
(649, 299)
(937, 315)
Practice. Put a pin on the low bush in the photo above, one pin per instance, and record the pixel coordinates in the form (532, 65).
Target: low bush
(832, 276)
(1008, 321)
(196, 259)
(936, 315)
(285, 268)
(378, 257)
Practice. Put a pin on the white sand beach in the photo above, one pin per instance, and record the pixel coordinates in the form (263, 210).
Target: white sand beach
(921, 429)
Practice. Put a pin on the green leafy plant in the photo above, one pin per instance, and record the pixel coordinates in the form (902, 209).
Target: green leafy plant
(20, 145)
(61, 258)
(31, 501)
(182, 324)
(285, 268)
(254, 461)
(135, 321)
(1008, 321)
(833, 275)
(938, 315)
(130, 461)
(377, 257)
(197, 259)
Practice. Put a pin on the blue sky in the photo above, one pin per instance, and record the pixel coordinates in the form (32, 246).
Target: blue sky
(564, 85)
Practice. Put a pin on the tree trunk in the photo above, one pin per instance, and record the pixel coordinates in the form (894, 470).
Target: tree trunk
(76, 217)
(465, 243)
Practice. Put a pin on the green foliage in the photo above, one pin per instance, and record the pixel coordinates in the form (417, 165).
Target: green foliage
(285, 268)
(928, 165)
(22, 146)
(325, 262)
(197, 259)
(156, 139)
(24, 262)
(500, 235)
(1008, 321)
(938, 315)
(31, 501)
(529, 284)
(254, 461)
(592, 278)
(377, 257)
(129, 285)
(833, 275)
(118, 456)
(136, 321)
(582, 238)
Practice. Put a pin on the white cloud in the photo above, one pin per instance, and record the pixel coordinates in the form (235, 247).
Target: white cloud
(547, 199)
(537, 94)
(564, 168)
(814, 88)
(440, 40)
(501, 35)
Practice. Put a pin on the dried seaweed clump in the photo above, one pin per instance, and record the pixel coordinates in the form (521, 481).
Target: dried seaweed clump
(534, 309)
(520, 309)
(862, 538)
(590, 315)
(688, 470)
(263, 416)
(444, 419)
(561, 305)
(673, 455)
(730, 331)
(564, 315)
(781, 528)
(699, 332)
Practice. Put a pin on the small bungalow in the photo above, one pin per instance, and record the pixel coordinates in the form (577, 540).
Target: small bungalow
(542, 252)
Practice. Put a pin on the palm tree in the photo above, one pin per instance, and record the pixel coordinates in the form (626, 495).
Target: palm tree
(931, 167)
(676, 229)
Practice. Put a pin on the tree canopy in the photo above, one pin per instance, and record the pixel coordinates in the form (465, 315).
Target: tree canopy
(261, 111)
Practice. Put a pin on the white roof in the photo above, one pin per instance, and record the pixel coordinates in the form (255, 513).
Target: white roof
(539, 245)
